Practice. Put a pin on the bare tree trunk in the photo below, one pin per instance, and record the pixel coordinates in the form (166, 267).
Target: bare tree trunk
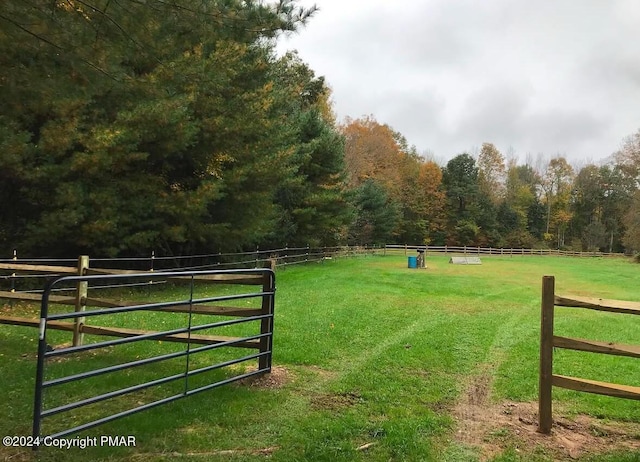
(611, 243)
(548, 213)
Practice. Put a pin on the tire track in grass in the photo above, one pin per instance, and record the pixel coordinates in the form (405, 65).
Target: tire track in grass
(351, 364)
(355, 363)
(505, 337)
(477, 391)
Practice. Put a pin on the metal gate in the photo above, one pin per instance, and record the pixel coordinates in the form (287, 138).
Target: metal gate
(179, 362)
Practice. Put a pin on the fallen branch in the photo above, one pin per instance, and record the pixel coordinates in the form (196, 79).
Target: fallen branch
(223, 452)
(364, 447)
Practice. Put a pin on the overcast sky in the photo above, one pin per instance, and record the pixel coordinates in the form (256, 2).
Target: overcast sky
(551, 77)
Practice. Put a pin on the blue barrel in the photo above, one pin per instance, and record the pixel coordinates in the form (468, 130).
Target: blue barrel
(413, 262)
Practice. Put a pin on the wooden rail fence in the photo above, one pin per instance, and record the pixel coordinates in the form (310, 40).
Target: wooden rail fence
(549, 341)
(80, 301)
(472, 250)
(282, 257)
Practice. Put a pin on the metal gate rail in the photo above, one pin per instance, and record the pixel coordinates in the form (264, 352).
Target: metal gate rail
(263, 341)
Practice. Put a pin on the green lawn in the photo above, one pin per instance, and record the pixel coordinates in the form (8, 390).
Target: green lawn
(378, 362)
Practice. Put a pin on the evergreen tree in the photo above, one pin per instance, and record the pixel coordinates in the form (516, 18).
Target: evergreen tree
(460, 180)
(376, 215)
(138, 125)
(312, 201)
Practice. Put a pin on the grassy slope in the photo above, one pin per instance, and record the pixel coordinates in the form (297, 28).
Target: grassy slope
(376, 353)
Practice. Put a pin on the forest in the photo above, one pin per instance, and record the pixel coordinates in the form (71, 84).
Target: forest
(135, 125)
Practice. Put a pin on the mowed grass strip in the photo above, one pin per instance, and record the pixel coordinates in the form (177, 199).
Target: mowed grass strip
(372, 360)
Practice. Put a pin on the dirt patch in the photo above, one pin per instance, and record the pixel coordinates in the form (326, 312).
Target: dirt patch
(479, 390)
(335, 401)
(321, 373)
(493, 428)
(277, 378)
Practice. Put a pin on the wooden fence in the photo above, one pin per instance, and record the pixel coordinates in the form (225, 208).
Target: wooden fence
(79, 298)
(257, 258)
(549, 341)
(282, 257)
(470, 250)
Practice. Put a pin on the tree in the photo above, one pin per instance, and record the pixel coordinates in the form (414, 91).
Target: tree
(432, 198)
(557, 188)
(632, 222)
(491, 173)
(629, 156)
(536, 219)
(376, 214)
(601, 196)
(312, 199)
(137, 125)
(586, 207)
(594, 236)
(460, 180)
(621, 197)
(372, 152)
(619, 187)
(422, 202)
(521, 197)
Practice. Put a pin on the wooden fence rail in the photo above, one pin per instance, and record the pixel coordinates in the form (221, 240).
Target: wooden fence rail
(80, 300)
(252, 259)
(549, 341)
(470, 250)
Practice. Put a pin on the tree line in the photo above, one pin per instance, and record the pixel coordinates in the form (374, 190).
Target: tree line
(127, 126)
(489, 200)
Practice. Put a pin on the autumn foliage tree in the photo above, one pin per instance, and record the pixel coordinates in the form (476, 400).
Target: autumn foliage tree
(423, 203)
(375, 152)
(557, 182)
(491, 173)
(372, 152)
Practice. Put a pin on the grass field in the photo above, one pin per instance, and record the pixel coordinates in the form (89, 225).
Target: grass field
(377, 362)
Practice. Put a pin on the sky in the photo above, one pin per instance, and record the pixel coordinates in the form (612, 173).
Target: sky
(535, 78)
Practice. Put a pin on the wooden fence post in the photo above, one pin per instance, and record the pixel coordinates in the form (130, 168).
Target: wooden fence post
(13, 276)
(546, 355)
(81, 300)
